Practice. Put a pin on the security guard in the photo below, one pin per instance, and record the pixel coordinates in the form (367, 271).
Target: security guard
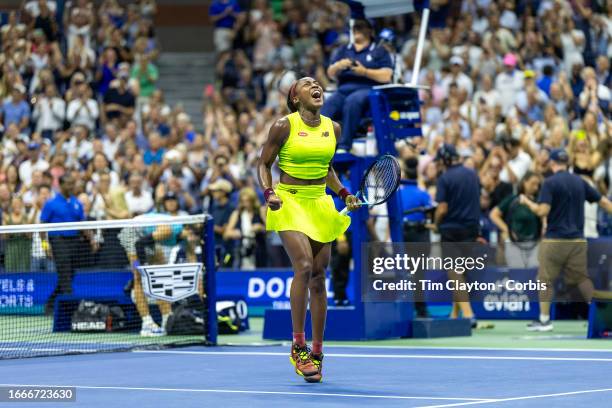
(415, 201)
(561, 201)
(457, 216)
(357, 67)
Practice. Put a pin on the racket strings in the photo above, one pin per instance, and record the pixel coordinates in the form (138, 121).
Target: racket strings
(381, 180)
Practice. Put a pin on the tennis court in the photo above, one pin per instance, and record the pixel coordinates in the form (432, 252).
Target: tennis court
(513, 371)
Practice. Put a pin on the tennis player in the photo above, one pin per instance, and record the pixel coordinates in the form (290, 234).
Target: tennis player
(302, 213)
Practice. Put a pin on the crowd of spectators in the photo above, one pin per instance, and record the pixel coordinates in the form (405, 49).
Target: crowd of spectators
(512, 80)
(508, 80)
(79, 97)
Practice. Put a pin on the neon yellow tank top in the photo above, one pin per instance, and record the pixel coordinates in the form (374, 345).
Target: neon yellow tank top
(308, 150)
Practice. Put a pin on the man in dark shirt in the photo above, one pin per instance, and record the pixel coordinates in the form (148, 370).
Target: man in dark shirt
(119, 102)
(458, 196)
(561, 200)
(221, 210)
(64, 207)
(457, 216)
(357, 67)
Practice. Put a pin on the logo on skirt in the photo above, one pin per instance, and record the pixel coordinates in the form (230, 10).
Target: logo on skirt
(303, 134)
(293, 191)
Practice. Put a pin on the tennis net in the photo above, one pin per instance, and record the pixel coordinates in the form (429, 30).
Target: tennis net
(114, 285)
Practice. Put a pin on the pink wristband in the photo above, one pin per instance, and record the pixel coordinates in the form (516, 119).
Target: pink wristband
(267, 193)
(343, 193)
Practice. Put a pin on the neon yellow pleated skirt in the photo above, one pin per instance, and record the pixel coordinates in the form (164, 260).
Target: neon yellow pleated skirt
(309, 210)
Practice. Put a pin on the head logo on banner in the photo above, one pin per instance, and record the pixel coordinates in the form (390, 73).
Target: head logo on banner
(170, 282)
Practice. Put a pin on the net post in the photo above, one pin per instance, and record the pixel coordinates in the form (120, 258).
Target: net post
(210, 279)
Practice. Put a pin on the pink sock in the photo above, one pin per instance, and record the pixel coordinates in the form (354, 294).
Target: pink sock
(317, 347)
(299, 339)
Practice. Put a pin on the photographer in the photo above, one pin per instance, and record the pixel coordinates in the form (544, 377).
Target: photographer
(357, 67)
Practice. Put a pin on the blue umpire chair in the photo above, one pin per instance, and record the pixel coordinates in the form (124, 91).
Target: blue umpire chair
(396, 115)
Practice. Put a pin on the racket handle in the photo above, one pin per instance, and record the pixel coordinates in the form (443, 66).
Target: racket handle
(345, 209)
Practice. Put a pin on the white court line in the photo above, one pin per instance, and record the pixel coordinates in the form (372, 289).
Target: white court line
(357, 346)
(53, 350)
(491, 401)
(577, 350)
(382, 356)
(222, 391)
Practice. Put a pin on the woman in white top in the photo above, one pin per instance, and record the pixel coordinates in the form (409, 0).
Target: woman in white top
(82, 110)
(139, 200)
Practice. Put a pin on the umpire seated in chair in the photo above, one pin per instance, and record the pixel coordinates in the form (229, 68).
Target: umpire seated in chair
(357, 67)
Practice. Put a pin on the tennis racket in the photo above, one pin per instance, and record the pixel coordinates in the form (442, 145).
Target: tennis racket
(380, 180)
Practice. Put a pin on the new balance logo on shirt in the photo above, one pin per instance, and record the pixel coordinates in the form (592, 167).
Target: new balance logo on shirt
(304, 134)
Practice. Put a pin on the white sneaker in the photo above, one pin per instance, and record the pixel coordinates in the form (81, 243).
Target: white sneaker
(341, 151)
(538, 326)
(152, 330)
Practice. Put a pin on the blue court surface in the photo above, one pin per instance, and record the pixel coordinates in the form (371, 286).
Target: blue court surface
(353, 377)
